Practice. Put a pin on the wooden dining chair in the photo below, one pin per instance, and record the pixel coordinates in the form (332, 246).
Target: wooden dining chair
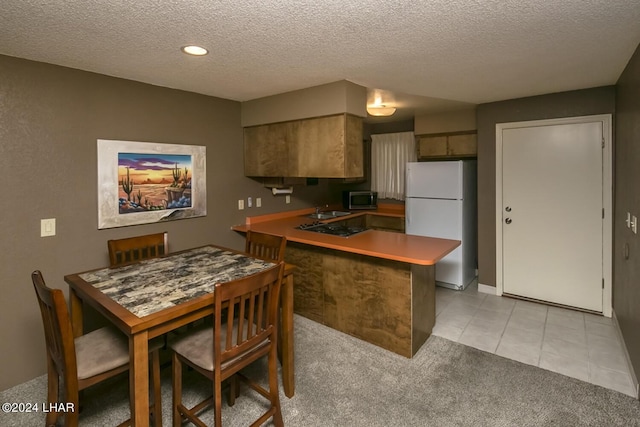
(265, 246)
(269, 247)
(242, 333)
(132, 249)
(137, 248)
(81, 362)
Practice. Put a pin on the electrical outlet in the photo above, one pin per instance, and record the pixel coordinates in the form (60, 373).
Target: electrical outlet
(47, 227)
(628, 220)
(258, 202)
(240, 204)
(249, 202)
(287, 199)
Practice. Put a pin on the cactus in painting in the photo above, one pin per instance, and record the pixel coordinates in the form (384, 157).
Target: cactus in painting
(127, 185)
(185, 180)
(177, 173)
(139, 197)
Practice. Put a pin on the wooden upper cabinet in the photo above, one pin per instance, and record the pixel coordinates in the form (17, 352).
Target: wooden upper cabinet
(266, 151)
(321, 147)
(354, 147)
(462, 145)
(430, 146)
(443, 146)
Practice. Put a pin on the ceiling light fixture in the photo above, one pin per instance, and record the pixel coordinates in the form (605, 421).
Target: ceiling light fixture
(378, 109)
(194, 50)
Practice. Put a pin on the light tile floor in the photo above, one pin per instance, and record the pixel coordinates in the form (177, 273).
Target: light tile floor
(572, 343)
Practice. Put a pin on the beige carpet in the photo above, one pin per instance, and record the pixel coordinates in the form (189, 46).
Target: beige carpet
(342, 381)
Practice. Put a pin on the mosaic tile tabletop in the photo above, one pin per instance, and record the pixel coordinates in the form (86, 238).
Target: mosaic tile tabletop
(155, 284)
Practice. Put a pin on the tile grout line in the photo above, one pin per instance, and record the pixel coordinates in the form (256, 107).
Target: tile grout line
(586, 340)
(544, 332)
(505, 327)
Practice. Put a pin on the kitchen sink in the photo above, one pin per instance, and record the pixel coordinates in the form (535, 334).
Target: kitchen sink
(328, 214)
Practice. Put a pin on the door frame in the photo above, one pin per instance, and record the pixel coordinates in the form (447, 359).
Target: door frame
(607, 197)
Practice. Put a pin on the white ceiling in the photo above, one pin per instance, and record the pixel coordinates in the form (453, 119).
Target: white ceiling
(429, 55)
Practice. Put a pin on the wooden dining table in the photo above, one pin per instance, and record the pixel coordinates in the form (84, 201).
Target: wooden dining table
(149, 298)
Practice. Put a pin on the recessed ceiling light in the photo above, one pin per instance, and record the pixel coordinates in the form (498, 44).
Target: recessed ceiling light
(194, 50)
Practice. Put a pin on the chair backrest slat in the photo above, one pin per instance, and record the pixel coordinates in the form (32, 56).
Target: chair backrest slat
(252, 308)
(133, 249)
(265, 246)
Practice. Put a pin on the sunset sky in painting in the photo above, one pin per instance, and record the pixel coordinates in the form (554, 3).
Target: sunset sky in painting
(153, 167)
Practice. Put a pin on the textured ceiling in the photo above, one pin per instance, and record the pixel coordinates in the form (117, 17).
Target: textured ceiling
(455, 50)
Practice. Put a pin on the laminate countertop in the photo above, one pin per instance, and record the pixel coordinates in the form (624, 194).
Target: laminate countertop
(417, 250)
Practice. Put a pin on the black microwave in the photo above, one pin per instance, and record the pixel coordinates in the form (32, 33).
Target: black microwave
(359, 199)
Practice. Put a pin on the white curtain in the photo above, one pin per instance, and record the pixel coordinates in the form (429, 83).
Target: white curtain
(390, 153)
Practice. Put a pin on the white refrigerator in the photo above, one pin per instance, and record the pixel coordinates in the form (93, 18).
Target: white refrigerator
(441, 201)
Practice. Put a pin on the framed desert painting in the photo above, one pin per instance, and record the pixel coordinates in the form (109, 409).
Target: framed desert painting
(146, 182)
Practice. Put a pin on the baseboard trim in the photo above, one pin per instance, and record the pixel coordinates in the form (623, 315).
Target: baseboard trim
(486, 289)
(634, 377)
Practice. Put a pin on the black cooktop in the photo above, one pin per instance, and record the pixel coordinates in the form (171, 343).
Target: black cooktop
(334, 229)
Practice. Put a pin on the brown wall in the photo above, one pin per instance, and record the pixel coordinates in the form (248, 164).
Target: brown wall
(566, 104)
(50, 119)
(626, 290)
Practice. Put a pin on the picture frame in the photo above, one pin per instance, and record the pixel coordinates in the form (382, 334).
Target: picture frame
(149, 182)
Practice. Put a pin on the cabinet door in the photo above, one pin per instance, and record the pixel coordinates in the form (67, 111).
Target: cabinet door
(462, 145)
(354, 148)
(318, 147)
(328, 147)
(432, 146)
(385, 223)
(265, 149)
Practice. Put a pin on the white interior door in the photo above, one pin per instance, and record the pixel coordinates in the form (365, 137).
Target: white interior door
(552, 213)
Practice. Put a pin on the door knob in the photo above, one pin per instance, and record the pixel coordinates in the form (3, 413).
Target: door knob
(508, 220)
(508, 209)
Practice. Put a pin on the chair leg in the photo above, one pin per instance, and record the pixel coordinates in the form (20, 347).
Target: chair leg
(234, 389)
(273, 387)
(53, 390)
(70, 395)
(71, 419)
(217, 396)
(176, 379)
(157, 388)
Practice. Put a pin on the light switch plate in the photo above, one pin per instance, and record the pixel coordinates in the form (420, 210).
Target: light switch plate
(634, 224)
(47, 227)
(287, 199)
(240, 204)
(258, 202)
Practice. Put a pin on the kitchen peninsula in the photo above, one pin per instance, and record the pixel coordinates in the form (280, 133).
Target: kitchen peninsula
(376, 285)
